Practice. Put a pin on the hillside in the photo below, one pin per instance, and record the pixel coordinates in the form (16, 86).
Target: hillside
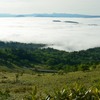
(77, 83)
(32, 55)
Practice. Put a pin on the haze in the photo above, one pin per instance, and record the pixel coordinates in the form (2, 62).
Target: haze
(50, 6)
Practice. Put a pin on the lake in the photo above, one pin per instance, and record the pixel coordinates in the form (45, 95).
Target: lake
(70, 34)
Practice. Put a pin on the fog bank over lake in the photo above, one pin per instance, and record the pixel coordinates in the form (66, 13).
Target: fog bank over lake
(68, 34)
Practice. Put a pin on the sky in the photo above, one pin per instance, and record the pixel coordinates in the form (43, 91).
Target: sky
(91, 7)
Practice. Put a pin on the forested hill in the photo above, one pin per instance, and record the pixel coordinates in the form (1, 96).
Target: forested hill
(17, 45)
(31, 55)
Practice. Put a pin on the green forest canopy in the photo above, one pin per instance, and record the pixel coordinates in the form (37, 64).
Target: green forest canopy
(30, 55)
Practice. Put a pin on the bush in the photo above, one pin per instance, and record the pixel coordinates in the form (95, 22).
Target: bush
(5, 95)
(60, 72)
(76, 92)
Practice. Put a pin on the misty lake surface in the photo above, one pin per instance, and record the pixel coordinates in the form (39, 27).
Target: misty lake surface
(70, 34)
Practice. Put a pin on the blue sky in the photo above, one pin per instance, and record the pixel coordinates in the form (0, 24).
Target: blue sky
(50, 6)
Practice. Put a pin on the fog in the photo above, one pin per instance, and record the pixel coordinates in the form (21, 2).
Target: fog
(59, 35)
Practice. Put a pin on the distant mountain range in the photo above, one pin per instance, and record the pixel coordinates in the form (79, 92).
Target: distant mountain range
(51, 15)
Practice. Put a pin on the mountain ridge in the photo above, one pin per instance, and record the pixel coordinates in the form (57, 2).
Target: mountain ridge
(50, 15)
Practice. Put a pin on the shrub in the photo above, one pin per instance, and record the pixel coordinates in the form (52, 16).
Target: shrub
(76, 92)
(5, 95)
(60, 72)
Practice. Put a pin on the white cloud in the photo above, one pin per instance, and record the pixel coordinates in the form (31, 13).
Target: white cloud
(42, 30)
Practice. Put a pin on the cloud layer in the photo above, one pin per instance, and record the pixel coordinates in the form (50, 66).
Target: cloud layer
(60, 35)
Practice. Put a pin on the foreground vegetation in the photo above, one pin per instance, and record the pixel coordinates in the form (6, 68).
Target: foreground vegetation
(18, 86)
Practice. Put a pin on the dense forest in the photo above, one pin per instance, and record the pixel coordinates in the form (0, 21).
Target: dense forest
(37, 56)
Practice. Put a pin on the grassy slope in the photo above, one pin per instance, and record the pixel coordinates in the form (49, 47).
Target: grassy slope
(46, 82)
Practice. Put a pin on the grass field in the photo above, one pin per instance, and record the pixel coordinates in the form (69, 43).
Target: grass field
(20, 85)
